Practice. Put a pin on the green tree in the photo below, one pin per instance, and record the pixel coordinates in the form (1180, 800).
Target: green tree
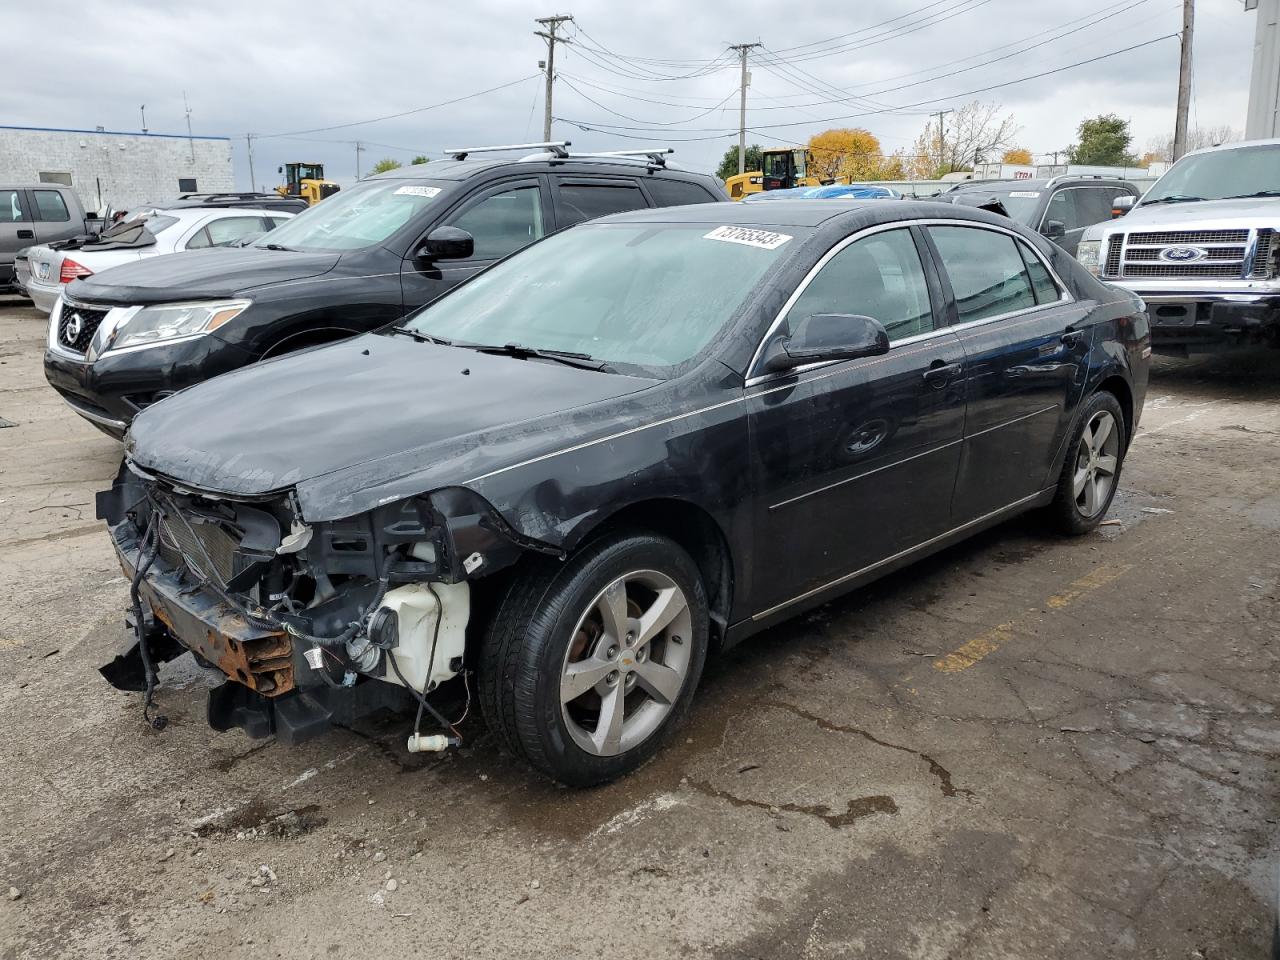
(1104, 141)
(420, 159)
(385, 164)
(729, 165)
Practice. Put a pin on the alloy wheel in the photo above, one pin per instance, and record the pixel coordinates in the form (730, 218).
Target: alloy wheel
(1097, 460)
(627, 662)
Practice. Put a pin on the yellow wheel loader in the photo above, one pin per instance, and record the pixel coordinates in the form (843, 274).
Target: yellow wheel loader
(306, 180)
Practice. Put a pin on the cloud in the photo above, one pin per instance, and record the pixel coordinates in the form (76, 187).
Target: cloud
(276, 68)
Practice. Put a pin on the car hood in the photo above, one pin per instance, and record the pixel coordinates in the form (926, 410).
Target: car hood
(199, 275)
(1204, 214)
(364, 413)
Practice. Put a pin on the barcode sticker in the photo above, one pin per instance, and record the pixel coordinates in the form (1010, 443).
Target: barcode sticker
(764, 239)
(413, 191)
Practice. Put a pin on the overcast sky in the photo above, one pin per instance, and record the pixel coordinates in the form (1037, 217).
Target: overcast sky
(291, 68)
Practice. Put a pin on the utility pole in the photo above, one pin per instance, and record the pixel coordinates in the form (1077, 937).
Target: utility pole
(742, 49)
(143, 108)
(1263, 119)
(942, 137)
(253, 183)
(190, 139)
(1184, 79)
(551, 23)
(358, 149)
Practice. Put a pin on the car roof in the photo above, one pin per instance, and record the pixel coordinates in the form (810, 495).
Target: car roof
(1040, 183)
(1236, 145)
(451, 169)
(799, 213)
(192, 214)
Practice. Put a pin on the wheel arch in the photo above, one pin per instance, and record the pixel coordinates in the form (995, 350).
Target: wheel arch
(695, 530)
(301, 339)
(1118, 386)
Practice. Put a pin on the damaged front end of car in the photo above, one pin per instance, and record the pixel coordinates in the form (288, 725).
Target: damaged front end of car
(311, 623)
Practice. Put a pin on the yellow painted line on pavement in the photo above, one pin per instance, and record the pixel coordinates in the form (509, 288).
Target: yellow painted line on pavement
(991, 641)
(1098, 577)
(975, 649)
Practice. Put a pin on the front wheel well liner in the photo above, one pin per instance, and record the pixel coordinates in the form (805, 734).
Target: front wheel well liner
(694, 529)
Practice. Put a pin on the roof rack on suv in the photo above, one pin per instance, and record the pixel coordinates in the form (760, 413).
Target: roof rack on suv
(1079, 176)
(559, 150)
(558, 147)
(216, 197)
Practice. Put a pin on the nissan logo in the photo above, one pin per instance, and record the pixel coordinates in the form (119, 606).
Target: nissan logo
(1182, 254)
(75, 326)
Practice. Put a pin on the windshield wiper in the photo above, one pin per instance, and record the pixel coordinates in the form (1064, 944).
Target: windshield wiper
(420, 336)
(583, 361)
(1172, 198)
(1247, 196)
(276, 246)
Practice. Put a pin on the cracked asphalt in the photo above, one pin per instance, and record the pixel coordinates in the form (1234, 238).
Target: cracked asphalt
(1025, 747)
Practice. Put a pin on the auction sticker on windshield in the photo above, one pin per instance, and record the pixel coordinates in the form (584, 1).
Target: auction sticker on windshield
(414, 191)
(1027, 194)
(763, 239)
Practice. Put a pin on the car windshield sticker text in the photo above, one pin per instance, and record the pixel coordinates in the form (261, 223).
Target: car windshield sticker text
(1028, 194)
(413, 191)
(763, 239)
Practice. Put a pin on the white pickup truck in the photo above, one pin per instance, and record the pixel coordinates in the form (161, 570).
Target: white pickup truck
(1200, 248)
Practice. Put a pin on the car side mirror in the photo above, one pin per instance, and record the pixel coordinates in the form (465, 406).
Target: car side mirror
(828, 336)
(1054, 229)
(447, 243)
(1122, 205)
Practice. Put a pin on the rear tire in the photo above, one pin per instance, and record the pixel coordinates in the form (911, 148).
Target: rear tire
(1091, 472)
(588, 666)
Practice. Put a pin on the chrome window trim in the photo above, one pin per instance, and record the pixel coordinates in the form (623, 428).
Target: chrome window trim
(1064, 294)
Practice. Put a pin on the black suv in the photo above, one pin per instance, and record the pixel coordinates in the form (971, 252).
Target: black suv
(1060, 207)
(125, 338)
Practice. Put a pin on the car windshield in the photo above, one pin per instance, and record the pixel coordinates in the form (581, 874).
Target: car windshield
(1240, 172)
(646, 296)
(365, 215)
(1020, 202)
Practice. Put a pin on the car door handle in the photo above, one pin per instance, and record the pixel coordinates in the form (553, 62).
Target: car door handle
(1072, 337)
(26, 234)
(939, 373)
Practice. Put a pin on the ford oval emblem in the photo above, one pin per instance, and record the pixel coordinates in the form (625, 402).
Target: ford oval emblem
(1182, 254)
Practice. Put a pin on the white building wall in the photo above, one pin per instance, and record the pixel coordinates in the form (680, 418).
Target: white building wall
(120, 169)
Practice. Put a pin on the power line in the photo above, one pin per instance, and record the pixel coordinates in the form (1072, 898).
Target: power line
(656, 123)
(918, 103)
(403, 113)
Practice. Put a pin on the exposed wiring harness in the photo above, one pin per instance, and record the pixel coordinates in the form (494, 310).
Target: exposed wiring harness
(148, 548)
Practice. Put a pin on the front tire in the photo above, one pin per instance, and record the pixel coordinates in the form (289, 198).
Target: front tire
(1091, 473)
(588, 666)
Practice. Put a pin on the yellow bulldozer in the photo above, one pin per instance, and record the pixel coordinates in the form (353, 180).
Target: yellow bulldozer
(306, 180)
(784, 168)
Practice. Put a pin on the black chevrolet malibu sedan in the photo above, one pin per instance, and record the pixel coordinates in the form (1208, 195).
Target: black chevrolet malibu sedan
(631, 444)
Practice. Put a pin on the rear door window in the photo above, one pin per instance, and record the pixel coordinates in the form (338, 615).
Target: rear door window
(1093, 205)
(51, 207)
(675, 193)
(987, 274)
(503, 222)
(582, 199)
